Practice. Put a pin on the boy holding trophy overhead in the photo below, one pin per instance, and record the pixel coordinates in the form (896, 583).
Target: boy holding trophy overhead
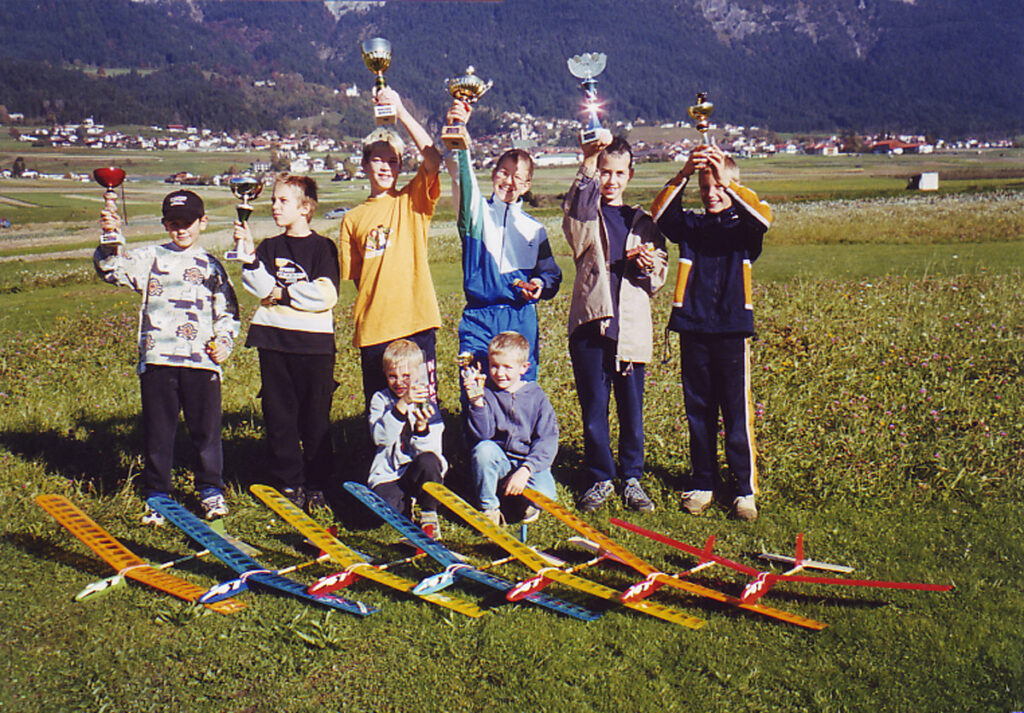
(507, 265)
(713, 313)
(188, 320)
(620, 263)
(383, 248)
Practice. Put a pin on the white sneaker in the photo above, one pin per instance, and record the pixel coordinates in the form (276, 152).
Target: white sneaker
(697, 501)
(494, 516)
(745, 508)
(214, 506)
(153, 518)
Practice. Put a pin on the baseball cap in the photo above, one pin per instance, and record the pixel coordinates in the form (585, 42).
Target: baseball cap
(183, 206)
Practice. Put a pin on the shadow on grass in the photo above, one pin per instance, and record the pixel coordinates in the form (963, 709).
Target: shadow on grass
(43, 548)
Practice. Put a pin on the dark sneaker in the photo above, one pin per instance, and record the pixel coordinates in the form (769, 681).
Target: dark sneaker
(315, 499)
(531, 515)
(697, 501)
(596, 495)
(296, 495)
(635, 497)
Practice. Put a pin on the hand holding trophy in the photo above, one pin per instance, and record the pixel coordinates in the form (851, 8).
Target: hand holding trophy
(110, 178)
(377, 57)
(586, 67)
(700, 112)
(468, 88)
(247, 189)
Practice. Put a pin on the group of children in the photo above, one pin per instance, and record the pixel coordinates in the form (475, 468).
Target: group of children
(189, 319)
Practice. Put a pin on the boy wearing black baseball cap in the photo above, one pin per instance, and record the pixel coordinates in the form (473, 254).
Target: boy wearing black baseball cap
(188, 320)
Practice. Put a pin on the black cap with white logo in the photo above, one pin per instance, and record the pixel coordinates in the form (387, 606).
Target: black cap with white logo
(184, 206)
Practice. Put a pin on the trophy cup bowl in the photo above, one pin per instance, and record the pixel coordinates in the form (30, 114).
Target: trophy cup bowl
(377, 58)
(110, 178)
(700, 112)
(245, 188)
(468, 88)
(586, 67)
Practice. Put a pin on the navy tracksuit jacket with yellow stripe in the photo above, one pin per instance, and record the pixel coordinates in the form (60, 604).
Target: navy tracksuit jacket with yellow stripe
(714, 315)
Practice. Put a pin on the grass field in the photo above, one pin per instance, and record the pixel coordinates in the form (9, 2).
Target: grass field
(887, 381)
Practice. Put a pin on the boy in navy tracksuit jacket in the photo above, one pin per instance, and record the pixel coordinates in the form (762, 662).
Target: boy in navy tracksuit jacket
(713, 314)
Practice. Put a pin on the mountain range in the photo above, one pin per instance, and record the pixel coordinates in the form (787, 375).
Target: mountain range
(951, 67)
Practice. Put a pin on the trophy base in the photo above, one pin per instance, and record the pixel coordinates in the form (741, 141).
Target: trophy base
(385, 114)
(456, 138)
(589, 136)
(238, 256)
(111, 239)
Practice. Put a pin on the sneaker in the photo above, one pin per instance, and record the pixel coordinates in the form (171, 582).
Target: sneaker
(745, 508)
(430, 524)
(315, 499)
(214, 505)
(153, 518)
(494, 515)
(635, 497)
(296, 495)
(697, 501)
(596, 495)
(532, 514)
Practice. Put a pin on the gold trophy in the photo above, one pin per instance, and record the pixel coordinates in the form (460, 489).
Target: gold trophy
(110, 178)
(377, 56)
(246, 188)
(700, 112)
(468, 88)
(586, 67)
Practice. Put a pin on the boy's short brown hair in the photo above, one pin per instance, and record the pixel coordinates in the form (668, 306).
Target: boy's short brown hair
(511, 343)
(517, 156)
(383, 137)
(399, 351)
(306, 185)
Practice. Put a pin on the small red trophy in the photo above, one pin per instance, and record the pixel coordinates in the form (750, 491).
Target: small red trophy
(110, 178)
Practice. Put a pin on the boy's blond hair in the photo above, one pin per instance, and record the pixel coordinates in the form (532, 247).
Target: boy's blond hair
(305, 185)
(732, 171)
(402, 351)
(383, 137)
(513, 344)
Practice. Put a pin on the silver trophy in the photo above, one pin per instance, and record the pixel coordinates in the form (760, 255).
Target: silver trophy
(377, 57)
(586, 67)
(247, 189)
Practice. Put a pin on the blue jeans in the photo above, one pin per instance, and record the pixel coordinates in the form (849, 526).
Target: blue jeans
(492, 467)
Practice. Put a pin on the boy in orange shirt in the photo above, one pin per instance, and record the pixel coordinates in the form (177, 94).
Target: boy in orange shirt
(383, 248)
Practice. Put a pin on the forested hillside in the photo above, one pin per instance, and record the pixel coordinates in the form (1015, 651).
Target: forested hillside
(946, 66)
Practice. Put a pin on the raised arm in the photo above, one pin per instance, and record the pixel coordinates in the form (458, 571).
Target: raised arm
(424, 142)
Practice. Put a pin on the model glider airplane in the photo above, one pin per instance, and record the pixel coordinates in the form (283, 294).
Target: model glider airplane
(762, 581)
(246, 567)
(355, 566)
(547, 573)
(654, 579)
(126, 562)
(455, 566)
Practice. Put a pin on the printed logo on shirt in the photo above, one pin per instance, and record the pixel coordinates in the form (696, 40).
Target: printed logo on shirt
(377, 241)
(186, 331)
(154, 288)
(193, 276)
(289, 272)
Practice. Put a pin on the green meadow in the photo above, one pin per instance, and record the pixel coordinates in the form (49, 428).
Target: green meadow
(887, 385)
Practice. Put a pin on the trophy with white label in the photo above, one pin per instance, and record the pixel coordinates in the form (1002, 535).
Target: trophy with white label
(468, 88)
(377, 57)
(247, 189)
(586, 67)
(700, 112)
(110, 178)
